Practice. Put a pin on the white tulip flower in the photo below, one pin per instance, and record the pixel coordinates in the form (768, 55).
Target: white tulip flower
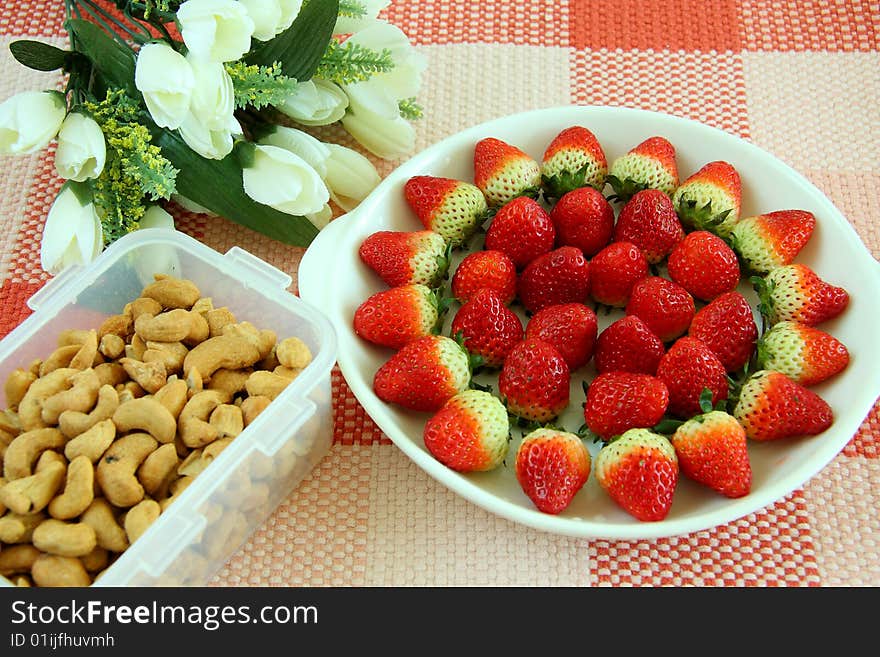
(373, 115)
(289, 11)
(30, 120)
(284, 181)
(351, 24)
(157, 257)
(215, 30)
(82, 150)
(212, 144)
(315, 102)
(350, 176)
(266, 15)
(166, 80)
(213, 97)
(384, 137)
(72, 234)
(313, 151)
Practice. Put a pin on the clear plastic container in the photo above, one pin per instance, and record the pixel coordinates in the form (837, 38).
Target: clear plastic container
(234, 495)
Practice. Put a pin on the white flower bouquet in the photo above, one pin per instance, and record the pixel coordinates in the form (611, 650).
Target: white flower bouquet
(212, 103)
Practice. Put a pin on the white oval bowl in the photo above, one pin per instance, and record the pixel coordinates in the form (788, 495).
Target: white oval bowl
(333, 278)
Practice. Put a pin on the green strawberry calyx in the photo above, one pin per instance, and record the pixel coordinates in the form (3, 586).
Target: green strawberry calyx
(624, 190)
(559, 184)
(701, 218)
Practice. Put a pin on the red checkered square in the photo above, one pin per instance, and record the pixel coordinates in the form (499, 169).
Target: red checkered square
(32, 18)
(691, 25)
(866, 442)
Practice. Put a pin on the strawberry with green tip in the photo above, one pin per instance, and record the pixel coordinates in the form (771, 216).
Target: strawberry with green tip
(639, 471)
(805, 354)
(618, 401)
(649, 165)
(773, 239)
(522, 230)
(395, 317)
(771, 406)
(628, 345)
(704, 265)
(688, 368)
(710, 199)
(560, 276)
(712, 450)
(469, 433)
(570, 327)
(452, 208)
(424, 374)
(797, 293)
(534, 381)
(503, 171)
(572, 160)
(727, 326)
(583, 218)
(406, 257)
(485, 269)
(488, 328)
(649, 221)
(551, 467)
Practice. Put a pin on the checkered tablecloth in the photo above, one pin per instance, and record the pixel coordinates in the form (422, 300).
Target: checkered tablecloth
(800, 79)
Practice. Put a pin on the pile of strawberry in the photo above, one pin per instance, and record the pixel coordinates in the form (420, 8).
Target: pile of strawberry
(679, 384)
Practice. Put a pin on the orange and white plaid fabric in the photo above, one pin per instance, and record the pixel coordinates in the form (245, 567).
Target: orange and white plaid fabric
(798, 78)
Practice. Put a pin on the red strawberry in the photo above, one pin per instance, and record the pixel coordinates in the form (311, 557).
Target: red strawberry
(704, 265)
(469, 433)
(583, 218)
(617, 401)
(522, 230)
(452, 208)
(570, 327)
(727, 326)
(614, 271)
(773, 239)
(710, 199)
(628, 345)
(403, 258)
(639, 471)
(796, 293)
(424, 374)
(650, 165)
(803, 353)
(665, 306)
(648, 220)
(560, 276)
(394, 317)
(573, 159)
(772, 406)
(712, 450)
(489, 329)
(551, 467)
(688, 368)
(503, 172)
(534, 381)
(491, 269)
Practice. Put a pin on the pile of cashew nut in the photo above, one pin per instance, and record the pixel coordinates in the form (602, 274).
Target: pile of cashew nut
(98, 438)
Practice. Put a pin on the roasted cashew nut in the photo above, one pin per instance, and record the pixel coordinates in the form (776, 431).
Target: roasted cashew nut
(73, 423)
(79, 490)
(65, 539)
(26, 448)
(100, 517)
(33, 494)
(116, 469)
(146, 414)
(81, 396)
(54, 570)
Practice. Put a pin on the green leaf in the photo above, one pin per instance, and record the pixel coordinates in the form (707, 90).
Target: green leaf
(217, 185)
(38, 55)
(113, 61)
(300, 47)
